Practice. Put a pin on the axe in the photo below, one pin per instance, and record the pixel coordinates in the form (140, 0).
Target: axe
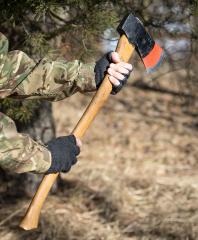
(132, 36)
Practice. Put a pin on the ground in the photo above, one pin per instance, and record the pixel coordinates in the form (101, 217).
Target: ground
(136, 177)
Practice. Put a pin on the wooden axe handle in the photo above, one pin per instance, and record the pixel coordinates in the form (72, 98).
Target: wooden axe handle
(31, 219)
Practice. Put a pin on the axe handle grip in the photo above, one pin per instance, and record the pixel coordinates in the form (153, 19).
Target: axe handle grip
(31, 219)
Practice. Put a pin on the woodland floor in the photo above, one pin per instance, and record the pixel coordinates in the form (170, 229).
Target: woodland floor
(136, 177)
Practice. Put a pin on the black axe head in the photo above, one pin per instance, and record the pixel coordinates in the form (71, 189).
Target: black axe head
(151, 53)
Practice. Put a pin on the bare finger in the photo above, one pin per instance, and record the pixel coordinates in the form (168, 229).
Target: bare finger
(128, 66)
(119, 68)
(114, 81)
(115, 74)
(115, 57)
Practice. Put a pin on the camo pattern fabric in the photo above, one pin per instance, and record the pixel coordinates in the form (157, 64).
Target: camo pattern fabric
(23, 78)
(18, 152)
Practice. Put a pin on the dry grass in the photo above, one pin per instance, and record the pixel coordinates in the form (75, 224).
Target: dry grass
(136, 177)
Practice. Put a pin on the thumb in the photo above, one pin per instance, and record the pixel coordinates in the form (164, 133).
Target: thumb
(115, 57)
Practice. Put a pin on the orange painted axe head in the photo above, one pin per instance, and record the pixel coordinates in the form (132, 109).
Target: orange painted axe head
(150, 52)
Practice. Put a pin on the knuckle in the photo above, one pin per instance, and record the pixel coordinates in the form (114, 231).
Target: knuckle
(124, 70)
(130, 67)
(122, 77)
(109, 71)
(120, 69)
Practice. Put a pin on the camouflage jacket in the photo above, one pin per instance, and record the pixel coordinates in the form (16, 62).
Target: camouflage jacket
(23, 78)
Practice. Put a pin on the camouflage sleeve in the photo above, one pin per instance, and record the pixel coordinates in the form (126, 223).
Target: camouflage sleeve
(18, 152)
(21, 77)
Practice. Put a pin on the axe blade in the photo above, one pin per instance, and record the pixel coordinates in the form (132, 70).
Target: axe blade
(150, 52)
(154, 58)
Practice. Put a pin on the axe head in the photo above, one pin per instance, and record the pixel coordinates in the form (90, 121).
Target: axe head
(150, 52)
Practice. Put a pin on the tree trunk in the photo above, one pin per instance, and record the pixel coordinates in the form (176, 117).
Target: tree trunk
(41, 128)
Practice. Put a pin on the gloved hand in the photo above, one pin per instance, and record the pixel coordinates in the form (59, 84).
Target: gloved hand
(63, 151)
(119, 71)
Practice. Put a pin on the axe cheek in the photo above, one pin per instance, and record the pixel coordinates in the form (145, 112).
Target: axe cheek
(154, 58)
(150, 52)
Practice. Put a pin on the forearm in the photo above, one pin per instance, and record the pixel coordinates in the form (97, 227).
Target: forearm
(19, 153)
(22, 77)
(55, 81)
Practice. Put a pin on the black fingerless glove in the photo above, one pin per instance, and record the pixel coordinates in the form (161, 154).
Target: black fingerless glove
(63, 151)
(101, 70)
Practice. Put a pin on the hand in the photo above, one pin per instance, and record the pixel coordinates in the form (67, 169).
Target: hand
(64, 152)
(119, 71)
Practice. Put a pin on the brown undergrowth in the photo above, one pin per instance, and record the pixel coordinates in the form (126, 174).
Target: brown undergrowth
(136, 177)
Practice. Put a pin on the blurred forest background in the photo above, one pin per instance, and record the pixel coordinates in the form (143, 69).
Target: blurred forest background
(137, 174)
